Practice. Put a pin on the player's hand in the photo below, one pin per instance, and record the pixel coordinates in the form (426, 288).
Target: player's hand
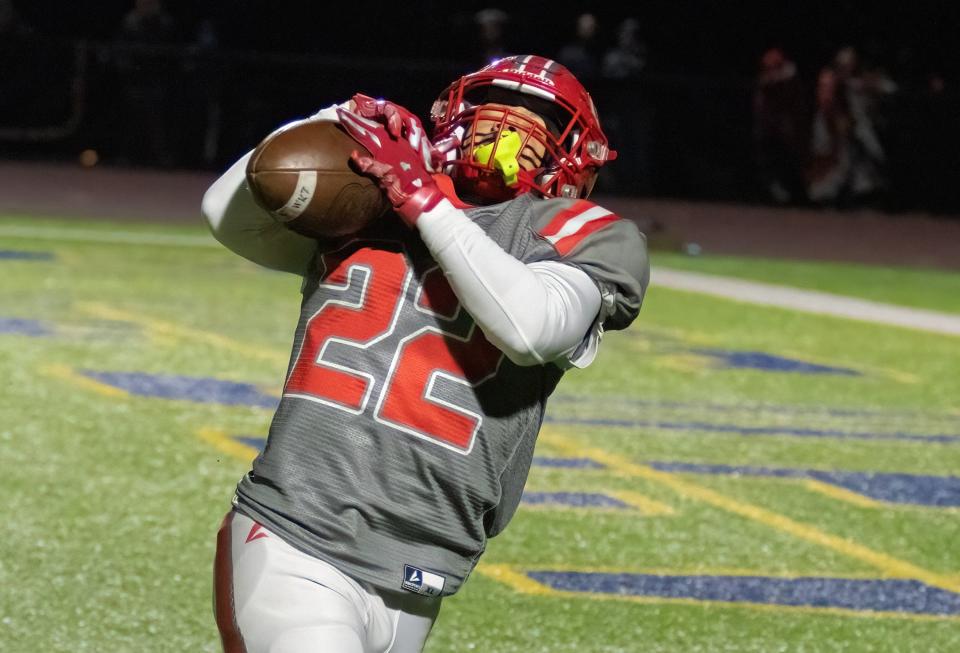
(402, 162)
(400, 122)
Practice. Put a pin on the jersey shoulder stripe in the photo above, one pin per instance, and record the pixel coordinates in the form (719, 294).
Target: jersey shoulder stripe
(569, 227)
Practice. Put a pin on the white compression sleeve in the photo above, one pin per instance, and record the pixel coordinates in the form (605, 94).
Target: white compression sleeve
(535, 313)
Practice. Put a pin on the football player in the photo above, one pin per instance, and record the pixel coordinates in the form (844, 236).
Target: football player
(426, 349)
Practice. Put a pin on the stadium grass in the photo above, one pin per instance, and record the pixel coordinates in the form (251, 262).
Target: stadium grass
(907, 286)
(112, 501)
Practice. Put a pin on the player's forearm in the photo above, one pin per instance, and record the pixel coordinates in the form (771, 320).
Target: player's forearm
(243, 227)
(534, 313)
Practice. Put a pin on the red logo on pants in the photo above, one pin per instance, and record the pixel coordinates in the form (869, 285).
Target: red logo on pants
(255, 533)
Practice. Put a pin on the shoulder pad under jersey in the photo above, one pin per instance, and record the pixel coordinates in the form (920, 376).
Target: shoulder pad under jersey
(611, 250)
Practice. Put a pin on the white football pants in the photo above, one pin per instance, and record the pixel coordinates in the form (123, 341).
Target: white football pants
(271, 598)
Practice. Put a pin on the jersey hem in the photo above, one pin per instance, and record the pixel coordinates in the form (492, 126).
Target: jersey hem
(357, 573)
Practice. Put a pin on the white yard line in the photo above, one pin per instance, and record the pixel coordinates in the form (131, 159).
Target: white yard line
(106, 237)
(809, 301)
(753, 292)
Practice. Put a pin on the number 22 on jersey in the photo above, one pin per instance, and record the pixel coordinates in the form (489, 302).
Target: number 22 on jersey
(364, 320)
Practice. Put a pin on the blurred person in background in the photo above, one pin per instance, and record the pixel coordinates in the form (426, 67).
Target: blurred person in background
(16, 82)
(629, 56)
(780, 128)
(867, 88)
(147, 22)
(207, 77)
(491, 24)
(629, 112)
(829, 141)
(582, 55)
(143, 76)
(846, 131)
(11, 24)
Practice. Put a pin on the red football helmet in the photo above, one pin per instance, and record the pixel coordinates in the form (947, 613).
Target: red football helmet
(570, 145)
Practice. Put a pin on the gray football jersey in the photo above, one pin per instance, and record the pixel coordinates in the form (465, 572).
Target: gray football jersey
(403, 438)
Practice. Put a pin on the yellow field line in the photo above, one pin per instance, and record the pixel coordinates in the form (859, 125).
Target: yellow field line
(683, 362)
(520, 582)
(71, 376)
(222, 441)
(887, 564)
(646, 505)
(171, 329)
(689, 362)
(557, 507)
(897, 375)
(842, 494)
(697, 571)
(677, 333)
(862, 501)
(921, 509)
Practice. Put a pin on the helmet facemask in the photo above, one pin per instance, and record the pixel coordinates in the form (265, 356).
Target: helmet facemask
(505, 151)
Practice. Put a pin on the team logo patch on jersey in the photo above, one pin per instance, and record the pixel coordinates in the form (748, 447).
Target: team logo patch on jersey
(422, 582)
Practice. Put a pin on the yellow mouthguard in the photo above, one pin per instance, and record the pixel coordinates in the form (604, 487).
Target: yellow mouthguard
(505, 160)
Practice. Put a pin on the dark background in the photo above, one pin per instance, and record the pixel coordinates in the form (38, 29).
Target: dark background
(690, 110)
(684, 37)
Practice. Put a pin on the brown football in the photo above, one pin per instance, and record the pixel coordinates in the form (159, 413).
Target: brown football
(302, 176)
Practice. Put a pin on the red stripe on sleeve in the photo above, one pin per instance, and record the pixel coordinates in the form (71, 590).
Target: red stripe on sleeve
(564, 216)
(565, 245)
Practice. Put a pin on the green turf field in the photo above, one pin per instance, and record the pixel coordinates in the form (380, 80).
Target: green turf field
(918, 288)
(726, 477)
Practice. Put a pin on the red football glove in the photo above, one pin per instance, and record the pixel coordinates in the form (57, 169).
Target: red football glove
(399, 121)
(401, 157)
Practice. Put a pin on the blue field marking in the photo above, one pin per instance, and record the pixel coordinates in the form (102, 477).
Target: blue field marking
(573, 500)
(780, 409)
(251, 441)
(764, 362)
(736, 429)
(21, 327)
(199, 389)
(887, 595)
(937, 491)
(915, 489)
(21, 255)
(566, 463)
